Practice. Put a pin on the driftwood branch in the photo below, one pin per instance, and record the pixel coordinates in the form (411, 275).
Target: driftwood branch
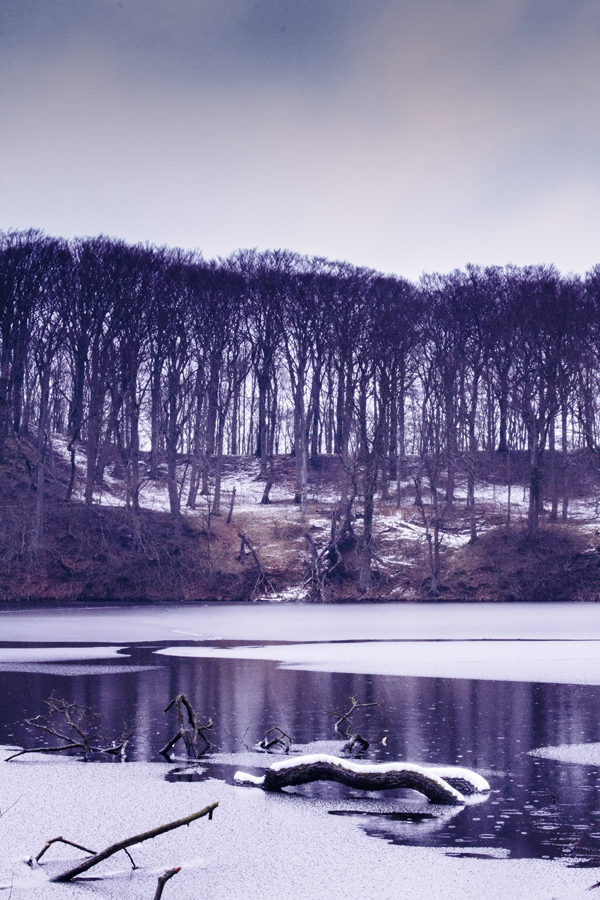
(440, 785)
(129, 842)
(356, 744)
(162, 880)
(69, 723)
(44, 750)
(188, 735)
(345, 717)
(281, 739)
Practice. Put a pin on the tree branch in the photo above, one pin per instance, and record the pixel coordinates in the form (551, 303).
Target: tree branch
(128, 842)
(162, 880)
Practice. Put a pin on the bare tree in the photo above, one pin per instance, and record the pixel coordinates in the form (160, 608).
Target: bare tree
(47, 339)
(22, 272)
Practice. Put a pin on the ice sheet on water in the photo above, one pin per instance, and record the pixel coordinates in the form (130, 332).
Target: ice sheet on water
(554, 662)
(51, 654)
(306, 622)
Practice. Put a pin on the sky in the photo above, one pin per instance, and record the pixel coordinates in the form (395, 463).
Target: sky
(405, 135)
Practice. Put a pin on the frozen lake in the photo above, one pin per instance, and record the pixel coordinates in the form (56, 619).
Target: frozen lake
(479, 686)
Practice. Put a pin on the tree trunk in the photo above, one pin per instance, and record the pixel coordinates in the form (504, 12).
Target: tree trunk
(216, 509)
(315, 414)
(553, 471)
(94, 425)
(155, 416)
(3, 409)
(235, 417)
(38, 529)
(451, 444)
(365, 576)
(565, 463)
(298, 448)
(263, 430)
(503, 425)
(172, 442)
(75, 417)
(535, 489)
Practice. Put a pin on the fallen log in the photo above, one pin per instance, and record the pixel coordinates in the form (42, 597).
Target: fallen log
(440, 785)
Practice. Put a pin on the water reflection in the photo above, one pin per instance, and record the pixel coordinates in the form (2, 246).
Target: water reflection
(538, 808)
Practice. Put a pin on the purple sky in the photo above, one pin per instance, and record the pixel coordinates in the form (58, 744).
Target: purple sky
(407, 135)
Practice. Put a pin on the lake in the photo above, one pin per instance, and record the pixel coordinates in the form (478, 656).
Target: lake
(125, 664)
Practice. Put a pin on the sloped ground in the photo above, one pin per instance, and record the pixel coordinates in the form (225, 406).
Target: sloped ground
(94, 553)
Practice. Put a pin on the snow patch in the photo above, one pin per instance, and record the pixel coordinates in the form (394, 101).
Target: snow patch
(583, 754)
(553, 662)
(51, 654)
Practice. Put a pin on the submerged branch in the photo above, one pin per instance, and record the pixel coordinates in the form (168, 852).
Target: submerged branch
(162, 880)
(129, 842)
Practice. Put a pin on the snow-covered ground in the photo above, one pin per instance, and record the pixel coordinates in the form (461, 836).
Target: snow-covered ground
(257, 845)
(278, 532)
(262, 845)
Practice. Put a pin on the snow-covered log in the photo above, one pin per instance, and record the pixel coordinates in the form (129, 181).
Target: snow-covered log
(445, 784)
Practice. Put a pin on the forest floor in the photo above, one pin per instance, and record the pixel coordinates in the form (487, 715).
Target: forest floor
(263, 552)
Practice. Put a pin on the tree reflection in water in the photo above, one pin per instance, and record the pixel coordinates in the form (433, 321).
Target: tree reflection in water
(538, 807)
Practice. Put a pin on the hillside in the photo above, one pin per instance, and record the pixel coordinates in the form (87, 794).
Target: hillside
(267, 552)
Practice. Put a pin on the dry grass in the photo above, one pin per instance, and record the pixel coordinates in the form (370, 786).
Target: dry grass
(505, 565)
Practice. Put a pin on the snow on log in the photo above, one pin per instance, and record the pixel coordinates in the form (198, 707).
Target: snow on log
(440, 785)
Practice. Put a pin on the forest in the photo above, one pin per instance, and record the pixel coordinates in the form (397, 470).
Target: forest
(163, 365)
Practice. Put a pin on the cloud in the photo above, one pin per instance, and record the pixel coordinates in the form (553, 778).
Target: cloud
(432, 134)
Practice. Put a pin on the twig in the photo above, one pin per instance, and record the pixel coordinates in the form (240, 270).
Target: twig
(10, 807)
(282, 739)
(356, 743)
(128, 842)
(345, 717)
(43, 750)
(162, 880)
(243, 739)
(133, 865)
(63, 840)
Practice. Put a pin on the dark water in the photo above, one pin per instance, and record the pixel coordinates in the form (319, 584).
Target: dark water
(537, 808)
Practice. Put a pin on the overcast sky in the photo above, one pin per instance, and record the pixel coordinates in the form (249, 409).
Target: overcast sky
(407, 135)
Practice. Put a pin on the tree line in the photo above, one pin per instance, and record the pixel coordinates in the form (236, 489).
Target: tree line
(172, 360)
